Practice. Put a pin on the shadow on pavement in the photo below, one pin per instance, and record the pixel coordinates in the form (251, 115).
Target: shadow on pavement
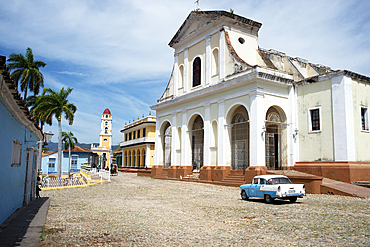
(26, 220)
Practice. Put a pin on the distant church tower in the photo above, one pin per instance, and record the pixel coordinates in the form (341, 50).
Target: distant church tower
(106, 129)
(105, 141)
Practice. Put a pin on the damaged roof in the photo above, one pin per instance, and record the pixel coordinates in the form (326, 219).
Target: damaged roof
(210, 16)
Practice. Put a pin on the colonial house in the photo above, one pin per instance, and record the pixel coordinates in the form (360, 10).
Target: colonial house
(20, 136)
(104, 149)
(232, 105)
(138, 144)
(79, 156)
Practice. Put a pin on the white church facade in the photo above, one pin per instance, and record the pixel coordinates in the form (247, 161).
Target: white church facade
(231, 105)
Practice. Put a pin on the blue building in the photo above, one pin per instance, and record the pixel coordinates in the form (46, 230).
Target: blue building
(20, 135)
(78, 156)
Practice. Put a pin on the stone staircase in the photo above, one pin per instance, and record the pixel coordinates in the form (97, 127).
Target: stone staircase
(235, 178)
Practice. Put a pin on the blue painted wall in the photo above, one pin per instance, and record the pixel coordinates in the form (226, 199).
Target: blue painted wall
(12, 178)
(82, 158)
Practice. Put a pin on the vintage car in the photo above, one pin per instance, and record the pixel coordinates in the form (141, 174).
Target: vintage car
(270, 187)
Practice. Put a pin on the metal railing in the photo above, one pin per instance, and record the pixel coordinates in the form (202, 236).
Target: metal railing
(137, 140)
(104, 174)
(47, 182)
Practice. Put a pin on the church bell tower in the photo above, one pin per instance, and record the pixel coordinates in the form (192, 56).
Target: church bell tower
(106, 130)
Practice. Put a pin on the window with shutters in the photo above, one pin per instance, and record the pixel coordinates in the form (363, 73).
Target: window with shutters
(364, 118)
(16, 153)
(314, 120)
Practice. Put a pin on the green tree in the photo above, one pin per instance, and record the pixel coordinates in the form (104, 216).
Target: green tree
(69, 142)
(26, 70)
(31, 103)
(52, 103)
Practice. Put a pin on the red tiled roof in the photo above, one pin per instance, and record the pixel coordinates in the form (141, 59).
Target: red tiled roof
(78, 149)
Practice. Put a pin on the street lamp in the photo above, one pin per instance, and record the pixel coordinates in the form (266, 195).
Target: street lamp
(48, 136)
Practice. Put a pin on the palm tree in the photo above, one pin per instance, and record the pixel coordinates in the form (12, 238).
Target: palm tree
(69, 141)
(52, 103)
(26, 71)
(31, 102)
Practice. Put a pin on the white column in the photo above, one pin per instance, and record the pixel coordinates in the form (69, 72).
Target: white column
(220, 134)
(221, 62)
(343, 126)
(184, 135)
(147, 157)
(292, 137)
(257, 138)
(158, 143)
(185, 82)
(173, 140)
(176, 75)
(208, 60)
(207, 135)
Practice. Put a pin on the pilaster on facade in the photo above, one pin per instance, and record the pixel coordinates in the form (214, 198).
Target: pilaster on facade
(174, 143)
(157, 143)
(208, 60)
(222, 43)
(293, 131)
(207, 134)
(176, 75)
(186, 51)
(147, 157)
(257, 124)
(343, 125)
(221, 131)
(184, 135)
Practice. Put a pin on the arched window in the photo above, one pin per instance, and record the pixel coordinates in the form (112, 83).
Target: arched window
(196, 71)
(215, 62)
(181, 76)
(106, 130)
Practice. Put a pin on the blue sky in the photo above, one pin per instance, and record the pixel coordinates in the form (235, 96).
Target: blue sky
(115, 53)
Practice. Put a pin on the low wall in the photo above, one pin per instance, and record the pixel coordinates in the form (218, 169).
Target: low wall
(219, 173)
(252, 171)
(144, 173)
(312, 184)
(343, 171)
(156, 170)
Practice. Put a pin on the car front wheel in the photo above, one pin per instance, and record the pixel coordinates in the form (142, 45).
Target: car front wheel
(244, 195)
(268, 199)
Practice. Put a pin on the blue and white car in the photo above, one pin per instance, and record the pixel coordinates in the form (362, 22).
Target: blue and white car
(269, 187)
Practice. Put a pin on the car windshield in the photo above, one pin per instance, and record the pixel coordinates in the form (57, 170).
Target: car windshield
(279, 181)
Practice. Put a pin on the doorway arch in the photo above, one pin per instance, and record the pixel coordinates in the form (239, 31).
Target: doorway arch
(197, 143)
(275, 138)
(240, 139)
(167, 138)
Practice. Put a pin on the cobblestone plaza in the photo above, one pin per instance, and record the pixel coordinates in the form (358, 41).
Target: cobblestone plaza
(141, 211)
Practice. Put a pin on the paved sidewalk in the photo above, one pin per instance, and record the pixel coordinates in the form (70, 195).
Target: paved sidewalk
(24, 227)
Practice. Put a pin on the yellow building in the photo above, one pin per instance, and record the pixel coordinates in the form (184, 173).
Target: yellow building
(138, 144)
(105, 141)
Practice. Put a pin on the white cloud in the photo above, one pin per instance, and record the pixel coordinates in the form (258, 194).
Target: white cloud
(115, 55)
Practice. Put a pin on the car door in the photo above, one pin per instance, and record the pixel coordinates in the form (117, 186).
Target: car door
(262, 189)
(255, 186)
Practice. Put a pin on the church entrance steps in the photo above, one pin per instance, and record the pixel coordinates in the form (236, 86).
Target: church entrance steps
(234, 178)
(333, 187)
